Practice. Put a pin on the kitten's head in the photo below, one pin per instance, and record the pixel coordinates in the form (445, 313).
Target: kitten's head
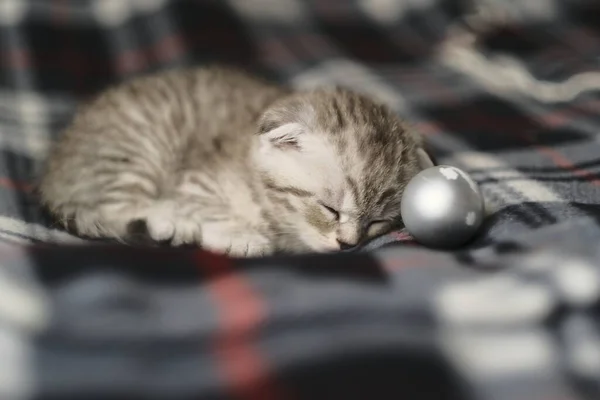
(336, 163)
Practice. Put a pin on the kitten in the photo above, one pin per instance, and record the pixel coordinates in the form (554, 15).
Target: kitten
(217, 158)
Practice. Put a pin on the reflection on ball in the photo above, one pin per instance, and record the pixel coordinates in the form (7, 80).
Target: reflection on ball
(442, 207)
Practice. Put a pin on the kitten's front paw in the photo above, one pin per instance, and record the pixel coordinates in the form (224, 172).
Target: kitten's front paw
(165, 226)
(235, 243)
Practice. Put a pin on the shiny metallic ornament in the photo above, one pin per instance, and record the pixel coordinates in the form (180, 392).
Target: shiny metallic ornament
(442, 207)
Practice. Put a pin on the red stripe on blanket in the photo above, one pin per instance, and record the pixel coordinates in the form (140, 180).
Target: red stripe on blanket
(241, 311)
(275, 52)
(428, 128)
(556, 119)
(60, 11)
(519, 126)
(169, 48)
(10, 184)
(164, 50)
(566, 164)
(16, 59)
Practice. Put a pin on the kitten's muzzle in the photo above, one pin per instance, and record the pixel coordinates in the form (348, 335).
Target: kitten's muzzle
(346, 246)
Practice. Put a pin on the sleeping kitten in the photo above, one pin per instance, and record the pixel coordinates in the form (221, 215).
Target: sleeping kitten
(217, 158)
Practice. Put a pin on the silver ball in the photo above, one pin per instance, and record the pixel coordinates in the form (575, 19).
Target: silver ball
(442, 207)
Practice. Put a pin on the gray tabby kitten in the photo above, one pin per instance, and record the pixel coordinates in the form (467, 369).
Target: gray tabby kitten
(217, 158)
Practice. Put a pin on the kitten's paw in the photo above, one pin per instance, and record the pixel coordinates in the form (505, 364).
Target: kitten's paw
(186, 232)
(164, 225)
(235, 243)
(249, 247)
(160, 229)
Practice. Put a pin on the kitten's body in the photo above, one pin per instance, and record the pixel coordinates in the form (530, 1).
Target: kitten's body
(217, 158)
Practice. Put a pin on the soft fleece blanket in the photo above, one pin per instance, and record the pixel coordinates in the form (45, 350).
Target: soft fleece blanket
(507, 90)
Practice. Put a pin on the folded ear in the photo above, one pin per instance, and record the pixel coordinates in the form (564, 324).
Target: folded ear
(424, 159)
(285, 137)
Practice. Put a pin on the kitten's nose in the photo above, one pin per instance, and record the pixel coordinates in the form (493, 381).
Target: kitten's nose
(346, 246)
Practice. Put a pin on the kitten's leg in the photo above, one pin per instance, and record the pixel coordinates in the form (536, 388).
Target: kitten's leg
(192, 214)
(205, 213)
(234, 239)
(135, 221)
(177, 221)
(122, 212)
(167, 221)
(104, 220)
(184, 221)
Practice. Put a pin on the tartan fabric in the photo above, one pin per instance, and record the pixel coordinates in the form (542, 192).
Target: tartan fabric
(508, 322)
(507, 90)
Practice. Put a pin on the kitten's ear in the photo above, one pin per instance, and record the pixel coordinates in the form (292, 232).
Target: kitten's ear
(284, 137)
(424, 160)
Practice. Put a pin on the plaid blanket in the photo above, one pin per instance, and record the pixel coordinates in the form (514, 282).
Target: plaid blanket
(505, 89)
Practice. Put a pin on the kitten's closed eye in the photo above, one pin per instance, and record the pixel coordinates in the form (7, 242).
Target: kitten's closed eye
(335, 214)
(378, 227)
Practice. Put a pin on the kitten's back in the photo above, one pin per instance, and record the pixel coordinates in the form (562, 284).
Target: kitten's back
(128, 144)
